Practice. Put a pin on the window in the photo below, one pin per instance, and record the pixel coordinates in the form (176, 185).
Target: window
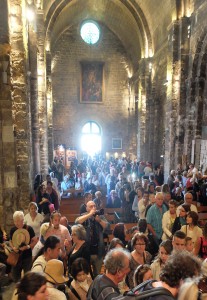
(90, 32)
(91, 138)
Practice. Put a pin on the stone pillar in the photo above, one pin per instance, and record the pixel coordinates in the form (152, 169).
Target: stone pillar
(32, 76)
(144, 100)
(49, 108)
(176, 93)
(15, 149)
(42, 100)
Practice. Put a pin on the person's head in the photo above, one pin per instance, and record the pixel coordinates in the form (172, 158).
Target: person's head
(115, 243)
(116, 263)
(165, 250)
(64, 221)
(80, 269)
(139, 192)
(32, 208)
(98, 195)
(152, 198)
(142, 273)
(142, 225)
(55, 219)
(188, 198)
(172, 206)
(113, 194)
(87, 197)
(90, 206)
(18, 218)
(192, 218)
(52, 247)
(54, 272)
(184, 209)
(139, 243)
(119, 231)
(49, 185)
(151, 188)
(41, 190)
(78, 233)
(165, 188)
(159, 199)
(172, 173)
(167, 197)
(48, 177)
(146, 195)
(178, 241)
(188, 244)
(32, 287)
(180, 266)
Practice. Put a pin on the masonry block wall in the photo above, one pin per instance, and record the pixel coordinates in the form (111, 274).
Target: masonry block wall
(116, 114)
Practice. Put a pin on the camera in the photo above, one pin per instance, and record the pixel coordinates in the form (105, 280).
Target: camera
(99, 212)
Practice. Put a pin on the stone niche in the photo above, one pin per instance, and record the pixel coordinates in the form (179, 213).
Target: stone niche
(112, 114)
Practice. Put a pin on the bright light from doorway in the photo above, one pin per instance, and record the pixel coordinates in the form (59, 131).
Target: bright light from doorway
(91, 143)
(91, 138)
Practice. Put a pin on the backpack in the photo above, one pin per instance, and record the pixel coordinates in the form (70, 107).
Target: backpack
(136, 293)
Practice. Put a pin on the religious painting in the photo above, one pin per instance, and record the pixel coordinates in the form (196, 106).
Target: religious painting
(71, 155)
(91, 89)
(59, 153)
(117, 143)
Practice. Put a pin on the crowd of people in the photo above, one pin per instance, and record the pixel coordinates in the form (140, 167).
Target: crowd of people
(168, 245)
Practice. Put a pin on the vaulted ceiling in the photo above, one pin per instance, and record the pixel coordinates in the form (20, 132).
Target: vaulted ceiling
(135, 22)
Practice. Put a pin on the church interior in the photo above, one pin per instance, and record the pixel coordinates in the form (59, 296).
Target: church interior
(129, 73)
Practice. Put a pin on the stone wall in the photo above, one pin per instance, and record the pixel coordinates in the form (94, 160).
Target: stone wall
(115, 115)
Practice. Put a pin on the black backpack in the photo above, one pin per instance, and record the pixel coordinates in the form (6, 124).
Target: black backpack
(136, 293)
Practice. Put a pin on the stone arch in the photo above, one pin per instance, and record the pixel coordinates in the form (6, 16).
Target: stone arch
(131, 6)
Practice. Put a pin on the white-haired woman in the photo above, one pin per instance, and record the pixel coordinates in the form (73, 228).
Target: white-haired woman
(80, 247)
(22, 243)
(33, 218)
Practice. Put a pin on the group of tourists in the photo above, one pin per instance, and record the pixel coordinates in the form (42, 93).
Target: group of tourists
(62, 261)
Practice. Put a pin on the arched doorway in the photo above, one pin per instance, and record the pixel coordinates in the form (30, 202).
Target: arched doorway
(91, 138)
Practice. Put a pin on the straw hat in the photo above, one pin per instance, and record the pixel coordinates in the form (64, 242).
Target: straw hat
(54, 271)
(20, 236)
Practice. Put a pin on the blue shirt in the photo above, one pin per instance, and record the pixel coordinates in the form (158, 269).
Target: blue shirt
(154, 218)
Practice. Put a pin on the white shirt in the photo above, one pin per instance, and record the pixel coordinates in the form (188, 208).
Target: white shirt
(34, 224)
(54, 293)
(192, 208)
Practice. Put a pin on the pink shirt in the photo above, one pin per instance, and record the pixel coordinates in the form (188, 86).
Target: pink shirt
(62, 233)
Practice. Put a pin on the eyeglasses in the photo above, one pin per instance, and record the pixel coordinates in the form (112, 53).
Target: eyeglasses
(140, 244)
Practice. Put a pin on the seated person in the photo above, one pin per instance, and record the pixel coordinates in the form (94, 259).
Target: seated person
(113, 201)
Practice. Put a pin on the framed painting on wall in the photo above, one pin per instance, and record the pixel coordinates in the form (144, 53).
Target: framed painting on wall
(92, 86)
(116, 143)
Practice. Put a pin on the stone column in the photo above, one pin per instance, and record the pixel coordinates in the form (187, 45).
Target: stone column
(42, 100)
(144, 100)
(49, 108)
(32, 76)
